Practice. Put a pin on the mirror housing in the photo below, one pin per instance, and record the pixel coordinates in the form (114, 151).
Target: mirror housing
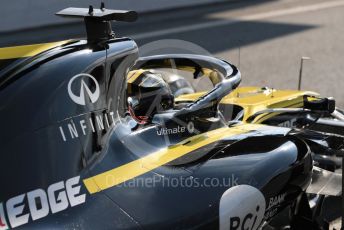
(319, 104)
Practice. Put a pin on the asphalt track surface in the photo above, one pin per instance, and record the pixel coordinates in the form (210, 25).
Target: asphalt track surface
(266, 39)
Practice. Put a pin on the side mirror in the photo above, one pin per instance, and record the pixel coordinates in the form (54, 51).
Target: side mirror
(319, 104)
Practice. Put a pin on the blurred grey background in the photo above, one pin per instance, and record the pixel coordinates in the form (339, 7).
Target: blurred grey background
(25, 14)
(272, 35)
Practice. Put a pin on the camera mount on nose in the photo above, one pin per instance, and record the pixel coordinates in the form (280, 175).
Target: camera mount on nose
(98, 21)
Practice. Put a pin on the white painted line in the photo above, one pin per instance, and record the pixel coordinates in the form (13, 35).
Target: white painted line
(295, 10)
(259, 16)
(181, 29)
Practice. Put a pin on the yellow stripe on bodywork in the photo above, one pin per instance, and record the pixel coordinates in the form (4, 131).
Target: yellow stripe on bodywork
(134, 74)
(27, 50)
(263, 117)
(254, 99)
(152, 161)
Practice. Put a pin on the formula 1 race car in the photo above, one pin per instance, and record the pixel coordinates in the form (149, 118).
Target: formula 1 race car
(304, 110)
(94, 137)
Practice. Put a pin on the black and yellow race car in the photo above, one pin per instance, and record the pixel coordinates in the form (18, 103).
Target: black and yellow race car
(94, 137)
(303, 110)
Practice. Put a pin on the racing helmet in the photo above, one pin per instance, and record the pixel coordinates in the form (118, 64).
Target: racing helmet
(148, 94)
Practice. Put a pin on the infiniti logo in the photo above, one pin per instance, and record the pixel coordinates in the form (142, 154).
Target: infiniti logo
(81, 99)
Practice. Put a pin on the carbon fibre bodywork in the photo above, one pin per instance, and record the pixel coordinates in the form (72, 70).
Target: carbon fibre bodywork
(47, 138)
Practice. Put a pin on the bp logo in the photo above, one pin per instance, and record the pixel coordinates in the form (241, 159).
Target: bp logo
(85, 93)
(242, 207)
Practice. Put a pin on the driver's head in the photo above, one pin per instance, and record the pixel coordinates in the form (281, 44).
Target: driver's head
(148, 94)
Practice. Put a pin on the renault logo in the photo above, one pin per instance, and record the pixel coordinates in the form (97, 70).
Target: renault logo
(81, 97)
